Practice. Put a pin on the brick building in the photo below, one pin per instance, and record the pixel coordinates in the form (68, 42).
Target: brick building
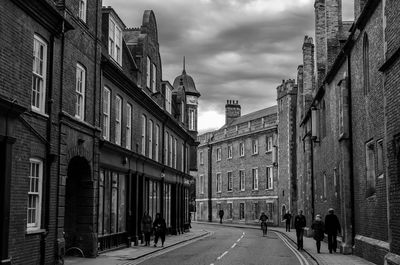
(237, 170)
(86, 144)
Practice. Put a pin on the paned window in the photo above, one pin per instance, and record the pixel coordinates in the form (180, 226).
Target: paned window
(170, 150)
(254, 173)
(175, 152)
(114, 41)
(153, 79)
(269, 144)
(370, 168)
(255, 146)
(144, 129)
(166, 145)
(256, 211)
(106, 113)
(230, 181)
(128, 136)
(219, 151)
(80, 88)
(151, 126)
(192, 120)
(148, 73)
(229, 151)
(201, 158)
(241, 149)
(241, 211)
(82, 10)
(380, 161)
(35, 194)
(201, 184)
(183, 112)
(157, 143)
(270, 179)
(242, 180)
(219, 182)
(39, 74)
(230, 210)
(168, 99)
(183, 157)
(118, 119)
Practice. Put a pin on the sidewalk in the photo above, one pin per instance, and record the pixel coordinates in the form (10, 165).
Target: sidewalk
(324, 258)
(127, 255)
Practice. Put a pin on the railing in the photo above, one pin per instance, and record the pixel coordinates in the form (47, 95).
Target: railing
(113, 241)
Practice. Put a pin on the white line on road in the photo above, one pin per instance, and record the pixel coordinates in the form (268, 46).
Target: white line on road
(234, 245)
(223, 254)
(299, 256)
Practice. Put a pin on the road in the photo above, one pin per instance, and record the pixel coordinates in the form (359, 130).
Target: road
(230, 246)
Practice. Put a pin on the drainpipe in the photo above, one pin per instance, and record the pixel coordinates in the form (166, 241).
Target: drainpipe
(209, 181)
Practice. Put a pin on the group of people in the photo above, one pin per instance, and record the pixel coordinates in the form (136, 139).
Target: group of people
(159, 228)
(331, 227)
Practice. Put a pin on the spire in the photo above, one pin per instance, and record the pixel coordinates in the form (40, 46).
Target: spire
(184, 65)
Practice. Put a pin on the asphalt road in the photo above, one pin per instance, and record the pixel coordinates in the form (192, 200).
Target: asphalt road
(229, 246)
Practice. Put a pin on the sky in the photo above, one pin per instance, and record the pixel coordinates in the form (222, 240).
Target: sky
(235, 49)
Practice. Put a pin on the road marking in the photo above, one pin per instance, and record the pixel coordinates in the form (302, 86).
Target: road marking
(234, 245)
(223, 254)
(299, 256)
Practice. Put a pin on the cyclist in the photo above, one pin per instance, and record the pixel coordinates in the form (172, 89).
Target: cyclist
(264, 219)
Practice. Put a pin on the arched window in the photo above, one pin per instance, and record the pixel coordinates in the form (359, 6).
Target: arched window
(366, 63)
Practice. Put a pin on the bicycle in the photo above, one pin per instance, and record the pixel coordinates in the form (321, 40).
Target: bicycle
(264, 227)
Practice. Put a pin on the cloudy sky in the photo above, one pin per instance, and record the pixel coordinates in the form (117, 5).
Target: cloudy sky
(235, 49)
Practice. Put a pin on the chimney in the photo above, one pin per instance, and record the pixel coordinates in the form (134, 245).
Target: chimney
(320, 39)
(358, 8)
(232, 111)
(333, 15)
(308, 72)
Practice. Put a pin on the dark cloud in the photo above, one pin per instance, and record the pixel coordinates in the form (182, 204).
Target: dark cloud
(235, 49)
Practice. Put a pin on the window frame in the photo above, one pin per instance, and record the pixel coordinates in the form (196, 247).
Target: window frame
(201, 158)
(254, 146)
(269, 178)
(201, 182)
(80, 80)
(118, 120)
(269, 144)
(143, 134)
(39, 193)
(106, 113)
(157, 144)
(37, 76)
(192, 126)
(219, 182)
(370, 169)
(241, 149)
(219, 153)
(128, 127)
(254, 178)
(150, 138)
(153, 78)
(230, 181)
(230, 150)
(242, 210)
(114, 41)
(242, 180)
(82, 11)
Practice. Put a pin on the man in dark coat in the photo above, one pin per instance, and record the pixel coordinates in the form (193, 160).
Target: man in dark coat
(287, 217)
(221, 215)
(318, 228)
(299, 224)
(160, 228)
(332, 228)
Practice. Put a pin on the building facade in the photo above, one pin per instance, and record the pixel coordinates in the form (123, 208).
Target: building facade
(90, 135)
(237, 169)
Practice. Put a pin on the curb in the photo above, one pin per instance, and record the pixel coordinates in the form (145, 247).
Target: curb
(205, 234)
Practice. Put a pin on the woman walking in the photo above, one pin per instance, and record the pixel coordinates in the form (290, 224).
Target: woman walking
(146, 227)
(318, 227)
(160, 228)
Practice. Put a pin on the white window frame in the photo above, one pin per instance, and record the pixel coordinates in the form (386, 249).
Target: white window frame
(80, 90)
(168, 99)
(118, 119)
(201, 182)
(269, 144)
(254, 174)
(153, 78)
(201, 158)
(254, 146)
(128, 141)
(183, 112)
(241, 149)
(170, 142)
(151, 127)
(242, 180)
(35, 190)
(39, 75)
(230, 151)
(219, 182)
(191, 120)
(219, 153)
(157, 144)
(183, 157)
(114, 40)
(166, 138)
(229, 176)
(240, 211)
(82, 10)
(148, 73)
(144, 129)
(106, 113)
(175, 153)
(269, 178)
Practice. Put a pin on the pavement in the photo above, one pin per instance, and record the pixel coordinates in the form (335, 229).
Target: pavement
(128, 255)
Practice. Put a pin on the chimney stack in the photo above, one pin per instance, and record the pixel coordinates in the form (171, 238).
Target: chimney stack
(232, 111)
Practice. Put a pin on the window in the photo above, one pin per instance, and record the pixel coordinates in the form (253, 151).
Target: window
(230, 210)
(170, 151)
(366, 63)
(241, 211)
(118, 118)
(153, 79)
(175, 152)
(241, 180)
(191, 120)
(114, 40)
(151, 126)
(241, 149)
(128, 143)
(106, 113)
(80, 92)
(219, 151)
(148, 74)
(168, 99)
(255, 146)
(144, 129)
(255, 211)
(230, 181)
(380, 158)
(269, 144)
(201, 158)
(183, 157)
(229, 151)
(156, 154)
(82, 10)
(201, 184)
(35, 194)
(254, 173)
(370, 168)
(166, 138)
(270, 179)
(39, 74)
(219, 182)
(183, 112)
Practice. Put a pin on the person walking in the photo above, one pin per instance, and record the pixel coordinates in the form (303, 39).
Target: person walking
(332, 228)
(318, 227)
(264, 219)
(287, 217)
(146, 227)
(299, 224)
(160, 228)
(221, 215)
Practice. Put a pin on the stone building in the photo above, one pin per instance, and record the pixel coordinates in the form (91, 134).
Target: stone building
(86, 146)
(237, 170)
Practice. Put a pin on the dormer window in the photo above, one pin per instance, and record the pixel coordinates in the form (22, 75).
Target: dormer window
(114, 41)
(168, 99)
